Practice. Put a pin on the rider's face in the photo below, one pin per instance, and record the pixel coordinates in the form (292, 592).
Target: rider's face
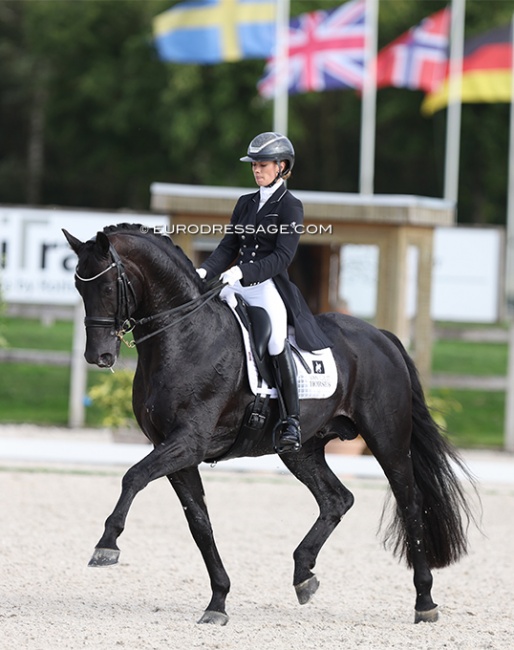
(265, 172)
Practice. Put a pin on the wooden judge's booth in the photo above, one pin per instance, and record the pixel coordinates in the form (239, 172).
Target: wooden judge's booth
(332, 220)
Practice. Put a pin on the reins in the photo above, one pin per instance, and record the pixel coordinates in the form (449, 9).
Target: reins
(125, 290)
(196, 304)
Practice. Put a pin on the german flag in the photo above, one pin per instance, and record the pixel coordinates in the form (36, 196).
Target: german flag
(486, 72)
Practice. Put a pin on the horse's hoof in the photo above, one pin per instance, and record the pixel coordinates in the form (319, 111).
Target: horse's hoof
(104, 557)
(306, 589)
(214, 618)
(430, 616)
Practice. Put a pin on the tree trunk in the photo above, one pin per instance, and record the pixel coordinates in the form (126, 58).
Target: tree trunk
(36, 144)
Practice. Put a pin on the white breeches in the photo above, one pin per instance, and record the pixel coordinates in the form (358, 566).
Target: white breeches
(263, 295)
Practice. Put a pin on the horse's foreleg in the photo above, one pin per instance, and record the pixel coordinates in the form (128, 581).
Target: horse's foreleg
(334, 500)
(167, 458)
(188, 486)
(106, 551)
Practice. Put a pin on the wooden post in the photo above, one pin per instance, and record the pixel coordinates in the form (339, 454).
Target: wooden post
(392, 284)
(423, 328)
(78, 372)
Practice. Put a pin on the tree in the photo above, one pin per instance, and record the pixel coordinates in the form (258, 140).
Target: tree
(89, 116)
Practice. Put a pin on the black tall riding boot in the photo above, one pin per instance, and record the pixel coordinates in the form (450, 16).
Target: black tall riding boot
(288, 434)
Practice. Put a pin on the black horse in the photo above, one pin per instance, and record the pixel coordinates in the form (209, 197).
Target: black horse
(191, 391)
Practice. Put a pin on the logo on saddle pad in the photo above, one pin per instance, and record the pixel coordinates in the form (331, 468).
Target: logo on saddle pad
(318, 367)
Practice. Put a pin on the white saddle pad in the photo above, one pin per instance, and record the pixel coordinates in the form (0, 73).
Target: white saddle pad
(317, 383)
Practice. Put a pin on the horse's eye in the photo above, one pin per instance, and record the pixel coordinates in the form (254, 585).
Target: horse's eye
(107, 289)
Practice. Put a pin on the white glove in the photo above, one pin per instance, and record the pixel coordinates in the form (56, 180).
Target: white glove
(202, 273)
(231, 276)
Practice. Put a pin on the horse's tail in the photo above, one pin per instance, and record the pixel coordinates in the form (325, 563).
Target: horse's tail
(445, 510)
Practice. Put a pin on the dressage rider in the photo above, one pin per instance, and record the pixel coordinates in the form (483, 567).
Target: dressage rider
(257, 249)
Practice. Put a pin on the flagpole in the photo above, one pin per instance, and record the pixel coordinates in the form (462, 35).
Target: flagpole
(453, 119)
(281, 91)
(509, 274)
(369, 101)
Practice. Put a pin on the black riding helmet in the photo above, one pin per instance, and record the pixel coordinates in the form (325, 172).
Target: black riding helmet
(271, 146)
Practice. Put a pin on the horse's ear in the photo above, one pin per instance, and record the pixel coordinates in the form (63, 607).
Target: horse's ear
(75, 243)
(102, 243)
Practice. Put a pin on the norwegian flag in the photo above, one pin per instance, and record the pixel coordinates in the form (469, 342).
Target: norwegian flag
(326, 51)
(418, 58)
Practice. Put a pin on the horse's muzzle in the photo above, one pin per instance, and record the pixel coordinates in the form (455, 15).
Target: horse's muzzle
(102, 352)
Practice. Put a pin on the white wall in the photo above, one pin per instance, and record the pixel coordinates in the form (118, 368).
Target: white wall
(466, 274)
(466, 280)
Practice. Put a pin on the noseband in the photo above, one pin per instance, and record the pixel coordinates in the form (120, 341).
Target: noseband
(125, 292)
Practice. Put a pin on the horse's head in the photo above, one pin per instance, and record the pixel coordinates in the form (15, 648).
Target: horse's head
(107, 293)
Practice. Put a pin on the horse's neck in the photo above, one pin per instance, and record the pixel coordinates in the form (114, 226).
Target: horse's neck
(165, 283)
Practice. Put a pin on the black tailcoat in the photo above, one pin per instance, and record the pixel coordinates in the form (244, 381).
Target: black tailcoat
(263, 243)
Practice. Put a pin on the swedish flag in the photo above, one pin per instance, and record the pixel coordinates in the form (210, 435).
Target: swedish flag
(212, 31)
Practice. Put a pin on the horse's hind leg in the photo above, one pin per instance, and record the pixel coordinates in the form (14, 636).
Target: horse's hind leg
(407, 529)
(334, 500)
(188, 486)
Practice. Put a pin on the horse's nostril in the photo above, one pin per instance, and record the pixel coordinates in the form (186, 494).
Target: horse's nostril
(105, 360)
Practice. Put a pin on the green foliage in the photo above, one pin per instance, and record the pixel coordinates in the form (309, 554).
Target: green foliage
(479, 419)
(38, 394)
(441, 406)
(115, 118)
(112, 395)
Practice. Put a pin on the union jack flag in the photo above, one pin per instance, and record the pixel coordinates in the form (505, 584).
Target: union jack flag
(418, 58)
(326, 51)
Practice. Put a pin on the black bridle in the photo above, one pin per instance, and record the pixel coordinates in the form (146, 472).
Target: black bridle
(124, 291)
(122, 323)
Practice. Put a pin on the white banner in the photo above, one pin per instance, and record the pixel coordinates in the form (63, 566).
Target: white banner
(466, 276)
(36, 262)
